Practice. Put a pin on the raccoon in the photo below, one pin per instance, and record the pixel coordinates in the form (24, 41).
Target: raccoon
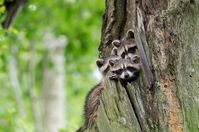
(91, 105)
(126, 70)
(105, 65)
(93, 97)
(125, 47)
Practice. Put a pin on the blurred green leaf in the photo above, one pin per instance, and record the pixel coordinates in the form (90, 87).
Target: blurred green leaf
(2, 9)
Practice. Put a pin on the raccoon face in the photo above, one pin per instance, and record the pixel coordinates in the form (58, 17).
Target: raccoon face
(126, 47)
(104, 65)
(134, 58)
(126, 50)
(126, 70)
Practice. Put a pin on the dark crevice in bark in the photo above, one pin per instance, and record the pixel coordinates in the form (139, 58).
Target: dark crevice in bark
(148, 93)
(134, 109)
(192, 1)
(113, 21)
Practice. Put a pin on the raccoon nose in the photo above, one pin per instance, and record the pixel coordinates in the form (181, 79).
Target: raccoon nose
(126, 75)
(128, 58)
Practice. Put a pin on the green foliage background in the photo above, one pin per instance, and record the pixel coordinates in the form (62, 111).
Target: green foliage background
(80, 22)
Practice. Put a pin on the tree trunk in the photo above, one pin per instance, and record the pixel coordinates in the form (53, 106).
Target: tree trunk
(34, 98)
(54, 83)
(14, 79)
(13, 7)
(166, 34)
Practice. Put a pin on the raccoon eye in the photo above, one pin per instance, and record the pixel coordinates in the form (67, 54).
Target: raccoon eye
(100, 62)
(136, 61)
(131, 69)
(123, 55)
(132, 49)
(118, 72)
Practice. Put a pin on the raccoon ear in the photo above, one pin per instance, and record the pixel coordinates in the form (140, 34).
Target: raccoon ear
(116, 43)
(130, 34)
(114, 51)
(111, 62)
(100, 62)
(136, 59)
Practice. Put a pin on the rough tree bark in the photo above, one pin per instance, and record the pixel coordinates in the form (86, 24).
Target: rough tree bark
(171, 28)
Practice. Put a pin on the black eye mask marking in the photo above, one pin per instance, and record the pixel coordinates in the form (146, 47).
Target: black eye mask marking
(100, 62)
(132, 50)
(131, 69)
(136, 73)
(118, 72)
(136, 61)
(123, 55)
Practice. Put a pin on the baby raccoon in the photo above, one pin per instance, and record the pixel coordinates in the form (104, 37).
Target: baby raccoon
(126, 70)
(91, 105)
(93, 98)
(105, 65)
(125, 47)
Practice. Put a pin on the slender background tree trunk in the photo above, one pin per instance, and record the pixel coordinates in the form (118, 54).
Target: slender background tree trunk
(171, 30)
(14, 78)
(54, 83)
(34, 98)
